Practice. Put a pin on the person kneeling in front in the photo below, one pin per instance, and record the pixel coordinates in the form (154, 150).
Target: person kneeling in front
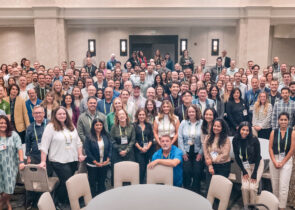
(169, 155)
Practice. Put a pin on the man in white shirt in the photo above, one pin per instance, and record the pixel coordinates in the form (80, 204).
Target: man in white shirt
(232, 69)
(135, 78)
(238, 84)
(150, 75)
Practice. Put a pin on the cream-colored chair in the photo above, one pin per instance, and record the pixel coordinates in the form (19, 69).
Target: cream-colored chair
(45, 202)
(126, 171)
(268, 199)
(220, 188)
(36, 179)
(160, 175)
(78, 186)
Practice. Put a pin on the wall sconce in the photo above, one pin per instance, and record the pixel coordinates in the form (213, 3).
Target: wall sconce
(92, 47)
(215, 47)
(123, 47)
(183, 45)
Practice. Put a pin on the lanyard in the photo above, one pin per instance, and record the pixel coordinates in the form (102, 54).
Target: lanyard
(40, 90)
(241, 153)
(168, 127)
(66, 137)
(36, 136)
(182, 112)
(104, 106)
(121, 131)
(279, 140)
(165, 158)
(172, 101)
(142, 135)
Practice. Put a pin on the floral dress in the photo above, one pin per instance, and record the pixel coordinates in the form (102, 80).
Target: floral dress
(9, 162)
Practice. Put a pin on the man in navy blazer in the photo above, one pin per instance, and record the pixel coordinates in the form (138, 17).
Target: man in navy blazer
(225, 60)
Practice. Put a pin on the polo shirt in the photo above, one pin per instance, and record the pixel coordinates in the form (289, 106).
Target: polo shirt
(175, 153)
(4, 105)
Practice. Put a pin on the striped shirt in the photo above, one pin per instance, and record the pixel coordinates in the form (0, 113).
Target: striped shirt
(279, 107)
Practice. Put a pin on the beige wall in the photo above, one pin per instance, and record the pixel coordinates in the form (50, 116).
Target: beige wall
(107, 40)
(284, 49)
(16, 43)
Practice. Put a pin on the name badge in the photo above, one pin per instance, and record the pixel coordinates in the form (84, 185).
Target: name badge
(251, 108)
(39, 146)
(281, 156)
(214, 155)
(124, 140)
(2, 147)
(68, 146)
(145, 144)
(246, 164)
(245, 112)
(190, 141)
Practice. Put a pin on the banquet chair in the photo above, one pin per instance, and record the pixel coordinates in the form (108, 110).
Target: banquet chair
(36, 179)
(77, 187)
(126, 171)
(220, 188)
(268, 199)
(160, 175)
(45, 202)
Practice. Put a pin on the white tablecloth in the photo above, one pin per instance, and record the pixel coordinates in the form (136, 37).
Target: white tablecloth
(149, 197)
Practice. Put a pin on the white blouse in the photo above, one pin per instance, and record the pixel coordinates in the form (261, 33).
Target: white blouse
(165, 127)
(61, 146)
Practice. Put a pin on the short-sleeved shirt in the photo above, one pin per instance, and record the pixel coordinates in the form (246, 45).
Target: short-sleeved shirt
(175, 153)
(4, 105)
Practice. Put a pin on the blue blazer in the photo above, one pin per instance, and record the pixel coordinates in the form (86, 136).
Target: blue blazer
(92, 149)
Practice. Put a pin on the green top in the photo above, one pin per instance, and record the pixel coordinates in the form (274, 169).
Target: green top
(116, 134)
(111, 119)
(4, 105)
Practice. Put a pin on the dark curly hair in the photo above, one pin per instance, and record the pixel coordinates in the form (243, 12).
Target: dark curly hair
(222, 136)
(8, 131)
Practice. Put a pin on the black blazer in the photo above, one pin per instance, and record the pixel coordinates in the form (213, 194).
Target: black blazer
(92, 150)
(226, 62)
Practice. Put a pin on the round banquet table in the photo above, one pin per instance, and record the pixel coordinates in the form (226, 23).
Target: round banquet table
(147, 197)
(264, 144)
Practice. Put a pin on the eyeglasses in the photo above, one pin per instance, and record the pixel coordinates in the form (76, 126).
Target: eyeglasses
(38, 112)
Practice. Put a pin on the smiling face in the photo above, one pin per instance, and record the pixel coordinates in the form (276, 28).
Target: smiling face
(166, 143)
(98, 127)
(244, 132)
(283, 121)
(191, 112)
(3, 125)
(217, 128)
(141, 116)
(166, 108)
(122, 116)
(61, 115)
(208, 115)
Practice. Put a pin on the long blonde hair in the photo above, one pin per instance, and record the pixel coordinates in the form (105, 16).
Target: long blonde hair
(45, 103)
(171, 115)
(258, 104)
(226, 93)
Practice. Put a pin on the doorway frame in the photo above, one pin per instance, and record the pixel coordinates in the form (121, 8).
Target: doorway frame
(158, 39)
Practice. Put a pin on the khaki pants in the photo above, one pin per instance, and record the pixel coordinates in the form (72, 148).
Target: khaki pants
(280, 179)
(249, 189)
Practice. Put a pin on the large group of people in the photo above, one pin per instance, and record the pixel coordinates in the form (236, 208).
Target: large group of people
(151, 111)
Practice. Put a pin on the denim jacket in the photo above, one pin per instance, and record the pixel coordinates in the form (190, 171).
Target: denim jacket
(183, 137)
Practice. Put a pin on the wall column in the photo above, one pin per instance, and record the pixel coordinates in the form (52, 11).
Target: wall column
(50, 36)
(253, 37)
